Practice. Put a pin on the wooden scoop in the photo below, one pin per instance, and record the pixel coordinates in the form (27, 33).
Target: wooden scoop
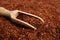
(13, 14)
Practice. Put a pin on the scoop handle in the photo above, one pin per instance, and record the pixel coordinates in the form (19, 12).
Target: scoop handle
(4, 12)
